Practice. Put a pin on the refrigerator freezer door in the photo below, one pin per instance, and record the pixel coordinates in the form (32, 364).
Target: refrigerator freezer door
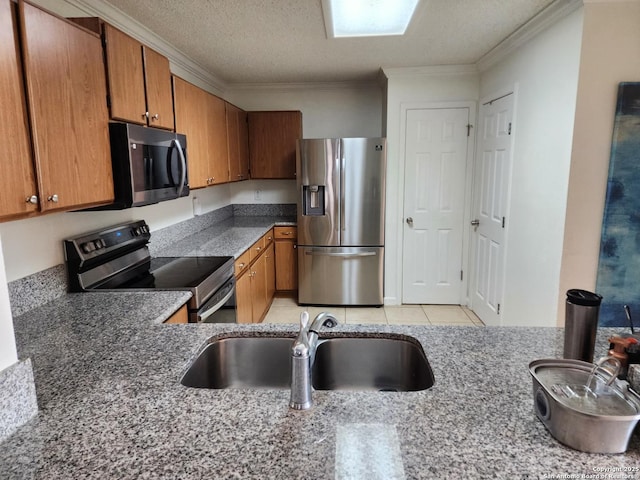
(340, 275)
(363, 162)
(318, 182)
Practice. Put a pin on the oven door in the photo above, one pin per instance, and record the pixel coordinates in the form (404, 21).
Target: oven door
(220, 308)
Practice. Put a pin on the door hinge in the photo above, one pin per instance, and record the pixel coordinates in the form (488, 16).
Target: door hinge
(509, 132)
(498, 311)
(469, 127)
(502, 222)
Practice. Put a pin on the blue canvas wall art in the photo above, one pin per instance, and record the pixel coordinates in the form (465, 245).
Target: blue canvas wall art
(619, 265)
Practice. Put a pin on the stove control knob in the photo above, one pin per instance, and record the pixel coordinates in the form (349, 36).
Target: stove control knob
(88, 247)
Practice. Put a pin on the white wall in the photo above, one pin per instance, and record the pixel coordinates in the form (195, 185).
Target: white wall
(610, 55)
(8, 354)
(412, 86)
(328, 110)
(545, 72)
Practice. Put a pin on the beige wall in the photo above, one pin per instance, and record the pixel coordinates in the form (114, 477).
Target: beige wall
(610, 54)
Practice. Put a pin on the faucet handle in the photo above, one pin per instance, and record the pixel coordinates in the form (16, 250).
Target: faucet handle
(304, 320)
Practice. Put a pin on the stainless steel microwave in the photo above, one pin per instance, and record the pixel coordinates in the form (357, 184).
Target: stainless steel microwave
(149, 165)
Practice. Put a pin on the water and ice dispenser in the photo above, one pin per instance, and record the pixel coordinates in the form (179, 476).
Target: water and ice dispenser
(313, 200)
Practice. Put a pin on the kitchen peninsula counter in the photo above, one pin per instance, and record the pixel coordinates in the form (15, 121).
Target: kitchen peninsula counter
(112, 406)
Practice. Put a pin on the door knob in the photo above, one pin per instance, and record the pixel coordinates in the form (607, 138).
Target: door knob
(410, 221)
(475, 222)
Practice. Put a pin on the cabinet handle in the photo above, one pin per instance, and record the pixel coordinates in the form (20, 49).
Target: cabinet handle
(145, 115)
(32, 199)
(53, 198)
(241, 265)
(286, 233)
(155, 117)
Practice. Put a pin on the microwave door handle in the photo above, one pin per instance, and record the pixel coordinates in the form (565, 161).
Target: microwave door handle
(183, 165)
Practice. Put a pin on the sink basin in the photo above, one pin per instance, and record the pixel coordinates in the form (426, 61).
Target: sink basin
(383, 364)
(342, 363)
(242, 362)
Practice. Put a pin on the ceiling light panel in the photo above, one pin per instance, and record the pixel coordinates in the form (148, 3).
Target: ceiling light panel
(364, 18)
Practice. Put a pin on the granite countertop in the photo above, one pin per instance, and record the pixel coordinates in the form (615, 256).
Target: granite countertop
(227, 238)
(107, 376)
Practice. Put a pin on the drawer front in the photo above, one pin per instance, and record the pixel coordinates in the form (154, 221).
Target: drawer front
(268, 238)
(285, 233)
(242, 262)
(257, 248)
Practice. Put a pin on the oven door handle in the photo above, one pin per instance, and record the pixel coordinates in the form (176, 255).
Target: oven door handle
(210, 311)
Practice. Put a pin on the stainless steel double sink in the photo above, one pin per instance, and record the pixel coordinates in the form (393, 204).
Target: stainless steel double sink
(389, 363)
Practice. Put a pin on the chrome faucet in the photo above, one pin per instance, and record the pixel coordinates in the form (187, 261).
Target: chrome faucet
(303, 354)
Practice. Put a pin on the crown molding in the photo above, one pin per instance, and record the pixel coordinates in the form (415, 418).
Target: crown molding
(547, 17)
(430, 71)
(181, 64)
(286, 87)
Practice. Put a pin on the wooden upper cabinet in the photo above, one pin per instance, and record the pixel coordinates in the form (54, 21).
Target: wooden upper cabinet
(201, 117)
(238, 143)
(190, 110)
(218, 150)
(139, 81)
(158, 88)
(126, 76)
(66, 94)
(17, 179)
(272, 143)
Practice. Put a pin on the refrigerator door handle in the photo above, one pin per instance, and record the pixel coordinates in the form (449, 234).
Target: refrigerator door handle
(342, 193)
(340, 254)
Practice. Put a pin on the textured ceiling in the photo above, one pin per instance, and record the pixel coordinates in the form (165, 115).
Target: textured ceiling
(273, 41)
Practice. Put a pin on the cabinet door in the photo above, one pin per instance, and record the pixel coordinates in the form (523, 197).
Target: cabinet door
(258, 288)
(270, 275)
(157, 77)
(238, 143)
(217, 133)
(126, 76)
(243, 298)
(17, 180)
(191, 107)
(286, 265)
(66, 91)
(272, 143)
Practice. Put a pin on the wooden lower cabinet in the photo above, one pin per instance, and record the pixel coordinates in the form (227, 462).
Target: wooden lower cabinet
(259, 288)
(181, 316)
(255, 283)
(243, 298)
(286, 258)
(270, 275)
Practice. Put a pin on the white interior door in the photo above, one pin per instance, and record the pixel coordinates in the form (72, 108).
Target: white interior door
(491, 187)
(435, 169)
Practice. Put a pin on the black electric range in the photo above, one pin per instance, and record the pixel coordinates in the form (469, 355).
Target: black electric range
(117, 258)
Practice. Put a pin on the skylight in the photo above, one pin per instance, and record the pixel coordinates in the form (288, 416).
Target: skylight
(365, 18)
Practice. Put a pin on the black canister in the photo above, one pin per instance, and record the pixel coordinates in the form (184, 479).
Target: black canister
(581, 324)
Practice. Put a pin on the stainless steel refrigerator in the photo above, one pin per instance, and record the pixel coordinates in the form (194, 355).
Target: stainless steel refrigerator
(341, 197)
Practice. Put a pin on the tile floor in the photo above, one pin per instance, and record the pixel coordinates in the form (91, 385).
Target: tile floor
(286, 310)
